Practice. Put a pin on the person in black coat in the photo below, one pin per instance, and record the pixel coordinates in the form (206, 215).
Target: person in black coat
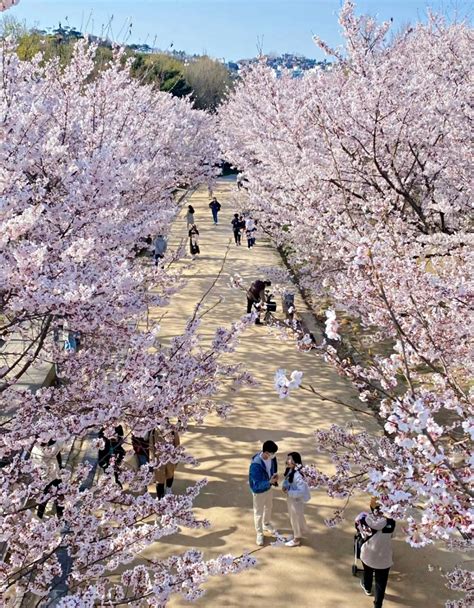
(194, 240)
(112, 448)
(215, 207)
(236, 225)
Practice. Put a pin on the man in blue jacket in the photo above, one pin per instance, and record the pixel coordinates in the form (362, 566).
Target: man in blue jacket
(262, 476)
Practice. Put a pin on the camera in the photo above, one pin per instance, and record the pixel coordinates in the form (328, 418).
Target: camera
(270, 305)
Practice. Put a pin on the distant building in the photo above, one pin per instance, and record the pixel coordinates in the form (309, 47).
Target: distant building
(296, 64)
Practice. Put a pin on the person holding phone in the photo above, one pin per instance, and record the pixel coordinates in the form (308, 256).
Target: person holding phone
(297, 493)
(262, 476)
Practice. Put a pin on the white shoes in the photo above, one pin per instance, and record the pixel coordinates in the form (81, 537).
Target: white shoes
(260, 541)
(292, 543)
(168, 491)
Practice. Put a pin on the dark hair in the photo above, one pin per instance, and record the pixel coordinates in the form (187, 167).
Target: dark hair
(269, 283)
(289, 472)
(190, 209)
(236, 215)
(270, 446)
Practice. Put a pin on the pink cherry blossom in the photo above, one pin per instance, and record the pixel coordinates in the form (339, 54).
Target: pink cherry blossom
(362, 175)
(90, 164)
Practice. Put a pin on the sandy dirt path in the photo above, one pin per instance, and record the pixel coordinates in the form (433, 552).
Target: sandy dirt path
(317, 574)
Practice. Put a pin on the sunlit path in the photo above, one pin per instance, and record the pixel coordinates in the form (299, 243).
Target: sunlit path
(318, 573)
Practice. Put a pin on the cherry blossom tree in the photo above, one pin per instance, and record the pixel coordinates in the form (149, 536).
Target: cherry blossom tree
(90, 164)
(6, 4)
(362, 174)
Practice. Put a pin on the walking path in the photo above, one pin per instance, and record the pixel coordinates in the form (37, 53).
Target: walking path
(317, 574)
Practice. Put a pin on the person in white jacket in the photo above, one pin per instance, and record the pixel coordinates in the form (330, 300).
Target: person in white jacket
(297, 493)
(48, 464)
(376, 552)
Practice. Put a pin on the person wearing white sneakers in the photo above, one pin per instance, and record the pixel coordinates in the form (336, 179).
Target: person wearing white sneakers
(297, 493)
(262, 476)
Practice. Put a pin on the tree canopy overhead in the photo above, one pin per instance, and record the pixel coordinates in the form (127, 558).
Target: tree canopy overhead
(363, 173)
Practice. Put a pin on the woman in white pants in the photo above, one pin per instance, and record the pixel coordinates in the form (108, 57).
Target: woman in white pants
(297, 493)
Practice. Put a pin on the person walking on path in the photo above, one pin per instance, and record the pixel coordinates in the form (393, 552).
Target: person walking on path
(236, 228)
(47, 457)
(112, 448)
(190, 216)
(250, 229)
(376, 552)
(215, 207)
(262, 476)
(164, 474)
(194, 241)
(297, 493)
(159, 248)
(256, 296)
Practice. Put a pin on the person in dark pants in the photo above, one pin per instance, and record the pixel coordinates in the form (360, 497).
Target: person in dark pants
(236, 228)
(376, 553)
(42, 506)
(215, 207)
(256, 295)
(194, 241)
(113, 448)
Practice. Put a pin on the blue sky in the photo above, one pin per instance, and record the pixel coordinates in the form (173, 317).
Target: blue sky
(231, 29)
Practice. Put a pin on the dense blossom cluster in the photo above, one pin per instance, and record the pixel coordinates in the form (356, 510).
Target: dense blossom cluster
(362, 172)
(90, 163)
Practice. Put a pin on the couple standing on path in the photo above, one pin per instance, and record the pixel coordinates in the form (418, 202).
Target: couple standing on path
(376, 550)
(239, 224)
(263, 477)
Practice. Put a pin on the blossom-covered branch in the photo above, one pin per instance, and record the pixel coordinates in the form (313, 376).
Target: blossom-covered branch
(90, 163)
